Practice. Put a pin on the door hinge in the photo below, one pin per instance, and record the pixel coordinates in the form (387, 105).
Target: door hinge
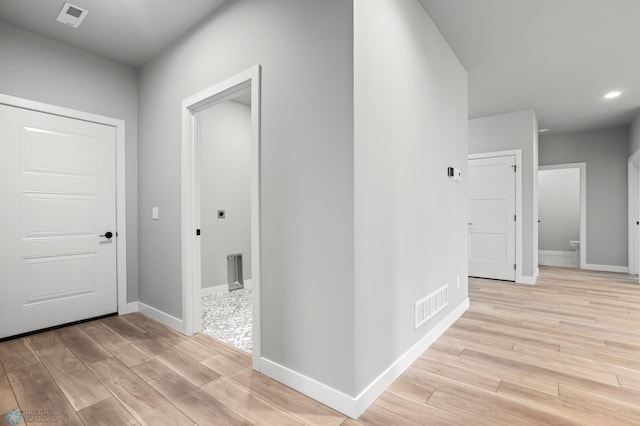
(514, 266)
(515, 168)
(515, 218)
(197, 232)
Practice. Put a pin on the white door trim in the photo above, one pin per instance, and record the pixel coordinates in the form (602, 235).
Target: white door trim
(583, 204)
(191, 262)
(121, 210)
(633, 173)
(518, 155)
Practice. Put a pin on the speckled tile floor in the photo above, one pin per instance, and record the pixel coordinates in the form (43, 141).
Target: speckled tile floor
(227, 316)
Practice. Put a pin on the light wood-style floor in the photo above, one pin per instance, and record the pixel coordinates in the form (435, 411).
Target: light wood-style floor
(563, 352)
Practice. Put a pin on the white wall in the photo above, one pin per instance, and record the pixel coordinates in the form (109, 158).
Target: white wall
(559, 208)
(410, 218)
(306, 50)
(515, 130)
(39, 69)
(605, 152)
(225, 184)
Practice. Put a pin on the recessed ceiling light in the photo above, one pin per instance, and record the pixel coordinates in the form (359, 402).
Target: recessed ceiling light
(543, 130)
(612, 95)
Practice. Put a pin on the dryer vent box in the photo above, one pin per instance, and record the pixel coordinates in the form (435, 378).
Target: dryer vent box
(72, 15)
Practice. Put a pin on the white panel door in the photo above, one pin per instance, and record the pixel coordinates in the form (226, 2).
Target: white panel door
(58, 195)
(492, 226)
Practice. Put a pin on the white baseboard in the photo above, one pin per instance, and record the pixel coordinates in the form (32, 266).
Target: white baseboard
(131, 307)
(223, 288)
(327, 395)
(527, 279)
(355, 406)
(565, 259)
(169, 320)
(384, 380)
(557, 253)
(607, 268)
(153, 313)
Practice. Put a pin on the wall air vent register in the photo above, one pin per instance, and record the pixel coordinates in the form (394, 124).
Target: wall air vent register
(427, 307)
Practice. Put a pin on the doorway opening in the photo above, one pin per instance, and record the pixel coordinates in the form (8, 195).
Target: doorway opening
(224, 131)
(562, 215)
(221, 210)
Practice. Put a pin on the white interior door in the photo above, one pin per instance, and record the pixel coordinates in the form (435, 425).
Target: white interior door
(492, 221)
(58, 192)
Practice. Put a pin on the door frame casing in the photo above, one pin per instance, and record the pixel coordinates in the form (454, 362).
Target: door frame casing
(583, 204)
(633, 176)
(518, 158)
(121, 210)
(191, 243)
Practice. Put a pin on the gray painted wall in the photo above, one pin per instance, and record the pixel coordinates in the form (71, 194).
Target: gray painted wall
(410, 218)
(605, 152)
(225, 184)
(634, 143)
(306, 49)
(308, 171)
(559, 208)
(515, 130)
(39, 69)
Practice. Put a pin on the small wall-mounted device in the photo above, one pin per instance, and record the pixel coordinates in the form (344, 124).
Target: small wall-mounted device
(71, 15)
(454, 173)
(221, 214)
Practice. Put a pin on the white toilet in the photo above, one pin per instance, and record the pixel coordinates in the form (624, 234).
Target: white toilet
(575, 245)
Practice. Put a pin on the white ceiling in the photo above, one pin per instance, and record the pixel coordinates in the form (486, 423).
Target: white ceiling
(128, 31)
(557, 56)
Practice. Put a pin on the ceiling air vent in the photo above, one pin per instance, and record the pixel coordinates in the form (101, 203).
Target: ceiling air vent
(71, 15)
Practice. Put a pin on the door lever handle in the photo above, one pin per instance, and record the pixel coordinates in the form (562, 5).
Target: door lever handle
(469, 223)
(107, 234)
